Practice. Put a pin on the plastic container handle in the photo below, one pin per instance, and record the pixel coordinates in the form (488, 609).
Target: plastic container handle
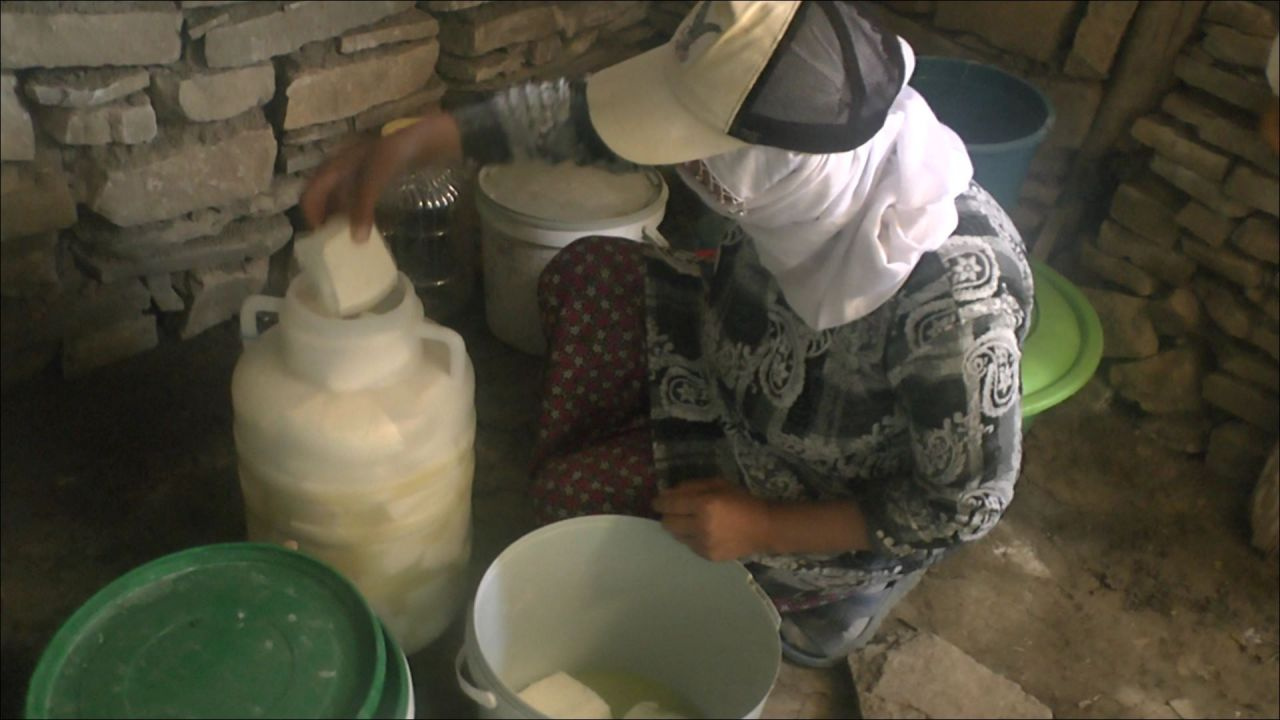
(249, 313)
(457, 347)
(484, 698)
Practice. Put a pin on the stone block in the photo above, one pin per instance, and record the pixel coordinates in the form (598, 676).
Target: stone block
(84, 87)
(1251, 95)
(1075, 103)
(17, 134)
(48, 35)
(1227, 263)
(1178, 314)
(1027, 217)
(1198, 187)
(184, 169)
(1260, 238)
(1165, 383)
(215, 295)
(1184, 432)
(244, 238)
(1204, 223)
(887, 676)
(1231, 46)
(1236, 451)
(97, 347)
(490, 27)
(199, 21)
(409, 25)
(548, 49)
(576, 17)
(1122, 273)
(1248, 365)
(631, 14)
(1168, 266)
(1223, 126)
(130, 121)
(1225, 308)
(1180, 147)
(1255, 189)
(299, 158)
(408, 106)
(1098, 37)
(1250, 403)
(142, 241)
(1247, 17)
(1145, 207)
(208, 3)
(1033, 30)
(1127, 331)
(344, 87)
(29, 266)
(484, 67)
(165, 298)
(582, 42)
(251, 36)
(1265, 339)
(34, 198)
(312, 133)
(205, 96)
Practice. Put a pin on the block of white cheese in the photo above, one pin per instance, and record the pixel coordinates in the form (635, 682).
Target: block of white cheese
(348, 277)
(561, 696)
(649, 710)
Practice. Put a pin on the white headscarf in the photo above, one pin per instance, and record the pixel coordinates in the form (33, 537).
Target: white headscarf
(840, 233)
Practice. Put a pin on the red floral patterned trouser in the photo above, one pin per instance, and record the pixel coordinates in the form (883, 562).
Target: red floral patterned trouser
(593, 452)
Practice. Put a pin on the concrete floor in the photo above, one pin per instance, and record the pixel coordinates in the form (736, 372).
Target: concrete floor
(1119, 581)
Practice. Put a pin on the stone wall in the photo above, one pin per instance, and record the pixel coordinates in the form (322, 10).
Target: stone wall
(153, 152)
(1093, 60)
(1187, 261)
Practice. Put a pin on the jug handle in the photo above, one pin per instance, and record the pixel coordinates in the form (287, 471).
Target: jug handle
(484, 698)
(249, 313)
(457, 347)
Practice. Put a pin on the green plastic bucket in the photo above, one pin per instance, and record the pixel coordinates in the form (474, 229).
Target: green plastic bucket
(1063, 346)
(1001, 118)
(231, 630)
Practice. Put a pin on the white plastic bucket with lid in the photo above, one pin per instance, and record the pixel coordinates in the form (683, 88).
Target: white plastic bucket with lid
(529, 211)
(616, 594)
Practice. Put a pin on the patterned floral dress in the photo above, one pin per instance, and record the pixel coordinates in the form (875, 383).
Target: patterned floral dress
(663, 369)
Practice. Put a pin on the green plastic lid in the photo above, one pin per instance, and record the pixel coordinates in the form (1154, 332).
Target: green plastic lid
(1064, 346)
(234, 630)
(397, 693)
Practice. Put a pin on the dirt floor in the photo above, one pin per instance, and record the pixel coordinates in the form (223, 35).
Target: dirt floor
(1120, 580)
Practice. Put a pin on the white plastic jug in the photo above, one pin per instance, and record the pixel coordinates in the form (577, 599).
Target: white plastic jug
(356, 442)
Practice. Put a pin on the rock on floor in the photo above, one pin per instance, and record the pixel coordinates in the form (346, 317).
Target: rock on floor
(910, 674)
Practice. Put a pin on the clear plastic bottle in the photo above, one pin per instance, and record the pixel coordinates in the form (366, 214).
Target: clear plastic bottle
(417, 216)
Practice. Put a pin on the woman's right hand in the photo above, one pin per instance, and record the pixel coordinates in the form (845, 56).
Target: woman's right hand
(351, 181)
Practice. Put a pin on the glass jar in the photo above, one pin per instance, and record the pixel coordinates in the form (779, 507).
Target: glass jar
(417, 216)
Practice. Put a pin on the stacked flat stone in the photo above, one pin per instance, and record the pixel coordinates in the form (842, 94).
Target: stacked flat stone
(153, 152)
(492, 44)
(1190, 254)
(1065, 48)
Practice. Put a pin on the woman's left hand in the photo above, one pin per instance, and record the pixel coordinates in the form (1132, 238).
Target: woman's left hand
(717, 519)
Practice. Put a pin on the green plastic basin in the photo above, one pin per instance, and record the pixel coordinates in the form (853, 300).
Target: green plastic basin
(1064, 345)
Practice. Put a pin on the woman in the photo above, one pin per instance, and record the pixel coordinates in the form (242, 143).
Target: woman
(835, 402)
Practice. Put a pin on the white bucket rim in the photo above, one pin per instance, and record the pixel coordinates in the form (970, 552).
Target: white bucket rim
(478, 665)
(488, 206)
